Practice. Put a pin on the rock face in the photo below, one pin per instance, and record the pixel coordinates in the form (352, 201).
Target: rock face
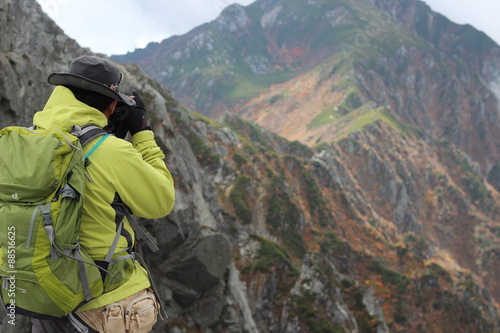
(27, 55)
(385, 229)
(300, 69)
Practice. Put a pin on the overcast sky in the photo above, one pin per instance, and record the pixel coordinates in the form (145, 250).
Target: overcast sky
(119, 26)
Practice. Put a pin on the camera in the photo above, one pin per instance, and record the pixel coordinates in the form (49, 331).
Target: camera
(116, 123)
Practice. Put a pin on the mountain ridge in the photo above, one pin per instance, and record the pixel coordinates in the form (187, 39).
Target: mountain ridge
(427, 70)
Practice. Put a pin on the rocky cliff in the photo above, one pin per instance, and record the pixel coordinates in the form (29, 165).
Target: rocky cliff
(384, 229)
(299, 68)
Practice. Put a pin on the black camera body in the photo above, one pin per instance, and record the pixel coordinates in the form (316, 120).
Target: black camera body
(116, 123)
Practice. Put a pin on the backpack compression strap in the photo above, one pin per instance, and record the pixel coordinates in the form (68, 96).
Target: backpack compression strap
(141, 234)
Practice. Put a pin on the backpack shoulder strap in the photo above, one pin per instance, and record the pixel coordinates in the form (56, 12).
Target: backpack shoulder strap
(88, 132)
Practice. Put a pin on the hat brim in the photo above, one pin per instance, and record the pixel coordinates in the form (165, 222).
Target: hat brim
(68, 79)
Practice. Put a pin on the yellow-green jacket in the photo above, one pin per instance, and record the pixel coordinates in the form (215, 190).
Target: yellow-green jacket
(135, 171)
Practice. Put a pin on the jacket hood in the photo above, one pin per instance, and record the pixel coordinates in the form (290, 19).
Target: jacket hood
(63, 110)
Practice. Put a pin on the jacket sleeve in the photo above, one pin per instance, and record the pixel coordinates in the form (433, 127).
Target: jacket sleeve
(142, 179)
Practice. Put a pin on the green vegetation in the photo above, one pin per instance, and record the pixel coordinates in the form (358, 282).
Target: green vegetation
(311, 190)
(458, 158)
(370, 117)
(323, 146)
(207, 120)
(365, 115)
(353, 298)
(390, 276)
(340, 37)
(299, 149)
(269, 254)
(248, 85)
(313, 193)
(276, 98)
(203, 153)
(257, 135)
(326, 116)
(284, 215)
(472, 181)
(239, 199)
(341, 69)
(352, 101)
(475, 187)
(293, 241)
(330, 244)
(253, 135)
(468, 285)
(436, 271)
(240, 160)
(250, 149)
(281, 210)
(333, 113)
(417, 244)
(178, 119)
(308, 313)
(216, 70)
(314, 196)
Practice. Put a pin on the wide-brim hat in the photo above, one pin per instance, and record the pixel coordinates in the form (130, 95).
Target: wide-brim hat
(95, 74)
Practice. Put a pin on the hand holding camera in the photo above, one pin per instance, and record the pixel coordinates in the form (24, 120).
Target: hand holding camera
(136, 120)
(128, 118)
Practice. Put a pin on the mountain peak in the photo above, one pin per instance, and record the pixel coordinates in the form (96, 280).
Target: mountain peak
(401, 55)
(232, 18)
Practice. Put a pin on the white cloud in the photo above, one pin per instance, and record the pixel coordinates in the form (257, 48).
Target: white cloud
(119, 26)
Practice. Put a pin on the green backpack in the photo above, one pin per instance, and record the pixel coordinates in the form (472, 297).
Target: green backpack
(45, 273)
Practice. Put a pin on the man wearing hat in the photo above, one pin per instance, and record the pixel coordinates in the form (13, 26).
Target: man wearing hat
(123, 176)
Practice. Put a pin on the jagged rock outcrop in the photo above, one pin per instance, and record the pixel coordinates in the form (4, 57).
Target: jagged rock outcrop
(384, 229)
(27, 54)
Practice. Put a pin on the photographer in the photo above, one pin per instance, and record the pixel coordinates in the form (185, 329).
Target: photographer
(123, 177)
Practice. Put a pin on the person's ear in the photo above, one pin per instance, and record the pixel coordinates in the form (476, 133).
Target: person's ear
(110, 109)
